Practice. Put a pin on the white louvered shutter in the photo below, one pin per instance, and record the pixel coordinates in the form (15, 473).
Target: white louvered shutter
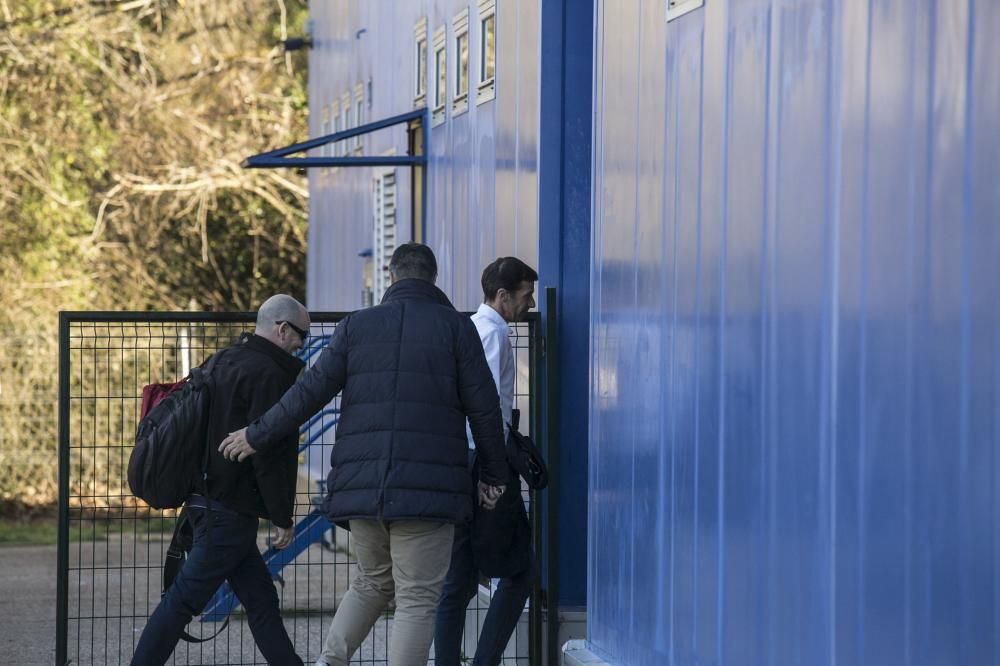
(384, 242)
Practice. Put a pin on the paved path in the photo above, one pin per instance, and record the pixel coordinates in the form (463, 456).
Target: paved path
(28, 600)
(28, 605)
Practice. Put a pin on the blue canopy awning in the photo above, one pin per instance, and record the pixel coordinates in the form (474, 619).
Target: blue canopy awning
(278, 158)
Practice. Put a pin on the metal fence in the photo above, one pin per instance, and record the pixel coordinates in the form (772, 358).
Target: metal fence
(28, 404)
(112, 546)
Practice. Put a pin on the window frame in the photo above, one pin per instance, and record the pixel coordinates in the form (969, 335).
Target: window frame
(486, 87)
(324, 150)
(346, 110)
(440, 103)
(331, 148)
(420, 59)
(359, 115)
(460, 28)
(678, 8)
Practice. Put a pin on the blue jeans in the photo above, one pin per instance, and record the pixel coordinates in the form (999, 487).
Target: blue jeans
(459, 588)
(225, 548)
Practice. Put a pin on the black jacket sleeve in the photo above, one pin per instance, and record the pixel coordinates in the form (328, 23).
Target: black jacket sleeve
(481, 403)
(276, 472)
(275, 469)
(314, 389)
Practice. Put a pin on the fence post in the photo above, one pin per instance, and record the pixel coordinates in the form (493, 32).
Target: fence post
(62, 553)
(551, 445)
(535, 610)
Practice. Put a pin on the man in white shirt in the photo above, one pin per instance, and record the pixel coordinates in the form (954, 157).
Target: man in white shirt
(508, 293)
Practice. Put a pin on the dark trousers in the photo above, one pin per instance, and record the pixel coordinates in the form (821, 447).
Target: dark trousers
(225, 548)
(459, 588)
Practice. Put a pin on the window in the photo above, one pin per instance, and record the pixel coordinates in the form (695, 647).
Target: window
(324, 129)
(488, 62)
(345, 111)
(415, 146)
(384, 230)
(440, 85)
(460, 102)
(440, 77)
(420, 63)
(487, 51)
(462, 69)
(678, 8)
(332, 149)
(359, 114)
(324, 150)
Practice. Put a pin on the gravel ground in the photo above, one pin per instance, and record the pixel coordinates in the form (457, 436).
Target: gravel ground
(114, 584)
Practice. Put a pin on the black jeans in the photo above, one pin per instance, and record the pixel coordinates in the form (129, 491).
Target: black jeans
(459, 588)
(224, 550)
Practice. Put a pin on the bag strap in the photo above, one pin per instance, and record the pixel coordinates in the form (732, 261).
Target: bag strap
(206, 372)
(176, 555)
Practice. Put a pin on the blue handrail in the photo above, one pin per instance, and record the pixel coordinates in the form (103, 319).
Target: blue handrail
(314, 344)
(329, 411)
(307, 531)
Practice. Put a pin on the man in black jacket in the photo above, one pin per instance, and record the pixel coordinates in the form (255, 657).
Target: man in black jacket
(508, 294)
(249, 377)
(412, 370)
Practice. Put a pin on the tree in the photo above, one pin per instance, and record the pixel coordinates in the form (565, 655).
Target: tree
(123, 124)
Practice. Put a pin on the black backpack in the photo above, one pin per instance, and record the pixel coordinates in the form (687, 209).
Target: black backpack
(170, 454)
(170, 447)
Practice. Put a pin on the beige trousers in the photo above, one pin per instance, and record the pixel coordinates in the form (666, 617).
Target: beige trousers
(405, 558)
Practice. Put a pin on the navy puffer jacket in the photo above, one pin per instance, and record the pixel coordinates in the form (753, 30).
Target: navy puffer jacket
(412, 370)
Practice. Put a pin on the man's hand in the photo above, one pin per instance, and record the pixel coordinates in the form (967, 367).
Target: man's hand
(283, 537)
(236, 447)
(488, 495)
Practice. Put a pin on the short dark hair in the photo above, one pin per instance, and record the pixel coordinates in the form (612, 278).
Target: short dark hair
(413, 260)
(506, 273)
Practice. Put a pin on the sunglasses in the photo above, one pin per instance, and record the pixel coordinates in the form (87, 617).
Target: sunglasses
(302, 333)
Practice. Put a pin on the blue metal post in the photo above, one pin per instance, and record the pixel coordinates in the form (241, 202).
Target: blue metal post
(564, 204)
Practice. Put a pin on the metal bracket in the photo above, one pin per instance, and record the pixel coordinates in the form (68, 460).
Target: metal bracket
(678, 8)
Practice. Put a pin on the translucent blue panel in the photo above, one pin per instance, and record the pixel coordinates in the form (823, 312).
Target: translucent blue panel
(795, 345)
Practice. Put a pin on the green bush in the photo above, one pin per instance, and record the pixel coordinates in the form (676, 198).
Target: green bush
(123, 127)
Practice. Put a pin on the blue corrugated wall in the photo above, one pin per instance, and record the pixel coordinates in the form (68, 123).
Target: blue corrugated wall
(795, 356)
(482, 191)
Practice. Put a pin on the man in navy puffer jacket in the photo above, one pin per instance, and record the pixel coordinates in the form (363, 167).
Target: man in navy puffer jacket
(412, 370)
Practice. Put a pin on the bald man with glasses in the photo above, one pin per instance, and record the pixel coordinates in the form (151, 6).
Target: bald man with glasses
(249, 377)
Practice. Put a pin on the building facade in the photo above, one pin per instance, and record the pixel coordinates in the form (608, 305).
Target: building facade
(475, 66)
(373, 60)
(773, 228)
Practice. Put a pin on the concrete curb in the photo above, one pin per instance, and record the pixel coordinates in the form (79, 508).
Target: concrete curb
(575, 653)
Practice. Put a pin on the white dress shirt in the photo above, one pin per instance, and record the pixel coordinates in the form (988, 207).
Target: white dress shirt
(495, 335)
